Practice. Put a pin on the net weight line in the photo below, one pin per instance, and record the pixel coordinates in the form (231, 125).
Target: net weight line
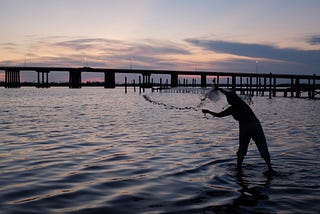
(208, 95)
(212, 94)
(188, 108)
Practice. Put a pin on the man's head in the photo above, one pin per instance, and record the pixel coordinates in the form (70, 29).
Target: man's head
(232, 96)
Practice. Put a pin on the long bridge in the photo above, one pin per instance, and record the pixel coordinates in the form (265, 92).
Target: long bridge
(243, 82)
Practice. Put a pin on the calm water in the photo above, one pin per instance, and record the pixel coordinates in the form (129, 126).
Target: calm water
(96, 150)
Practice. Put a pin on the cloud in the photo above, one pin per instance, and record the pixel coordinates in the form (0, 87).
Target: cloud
(189, 54)
(85, 44)
(100, 52)
(9, 46)
(144, 47)
(314, 40)
(308, 57)
(160, 47)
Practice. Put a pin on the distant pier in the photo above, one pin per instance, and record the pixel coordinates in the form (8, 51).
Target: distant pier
(249, 83)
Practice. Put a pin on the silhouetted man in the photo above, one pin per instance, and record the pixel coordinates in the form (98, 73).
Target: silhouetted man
(249, 126)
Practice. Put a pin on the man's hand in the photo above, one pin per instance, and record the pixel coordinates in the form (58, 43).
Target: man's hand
(206, 111)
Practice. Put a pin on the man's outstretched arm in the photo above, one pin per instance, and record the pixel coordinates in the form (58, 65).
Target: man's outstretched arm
(224, 113)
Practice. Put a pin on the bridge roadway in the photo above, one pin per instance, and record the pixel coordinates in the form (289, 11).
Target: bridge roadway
(263, 81)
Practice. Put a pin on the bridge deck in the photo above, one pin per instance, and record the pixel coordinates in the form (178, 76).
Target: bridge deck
(239, 81)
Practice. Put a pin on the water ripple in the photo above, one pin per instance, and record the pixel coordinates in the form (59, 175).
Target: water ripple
(103, 151)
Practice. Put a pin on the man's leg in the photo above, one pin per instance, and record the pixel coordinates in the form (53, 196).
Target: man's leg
(260, 140)
(244, 140)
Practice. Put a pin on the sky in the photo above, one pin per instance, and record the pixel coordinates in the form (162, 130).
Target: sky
(280, 36)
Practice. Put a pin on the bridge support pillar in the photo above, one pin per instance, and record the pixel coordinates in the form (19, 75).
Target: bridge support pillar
(75, 79)
(146, 80)
(43, 82)
(12, 79)
(203, 81)
(174, 80)
(109, 79)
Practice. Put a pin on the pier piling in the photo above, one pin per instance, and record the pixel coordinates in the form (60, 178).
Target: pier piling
(125, 85)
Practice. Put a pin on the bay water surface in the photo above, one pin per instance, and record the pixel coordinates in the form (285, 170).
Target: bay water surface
(95, 150)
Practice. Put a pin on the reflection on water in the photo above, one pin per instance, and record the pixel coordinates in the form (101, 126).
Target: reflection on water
(95, 150)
